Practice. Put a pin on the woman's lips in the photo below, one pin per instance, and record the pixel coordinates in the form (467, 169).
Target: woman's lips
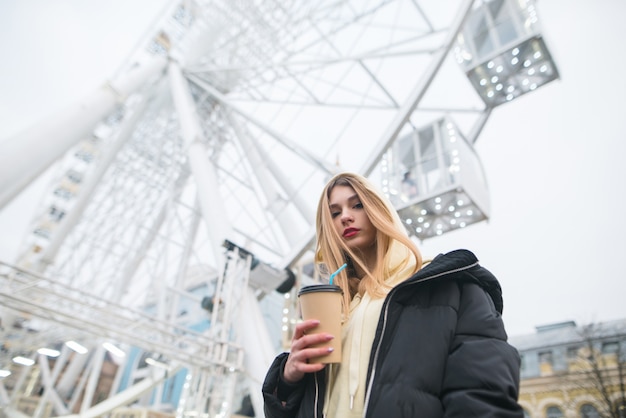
(350, 232)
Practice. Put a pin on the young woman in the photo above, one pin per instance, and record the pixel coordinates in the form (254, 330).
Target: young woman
(417, 341)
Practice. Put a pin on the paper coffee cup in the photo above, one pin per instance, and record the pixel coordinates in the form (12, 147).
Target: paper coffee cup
(323, 302)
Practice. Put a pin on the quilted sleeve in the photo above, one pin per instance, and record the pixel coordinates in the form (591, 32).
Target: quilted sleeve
(482, 372)
(281, 399)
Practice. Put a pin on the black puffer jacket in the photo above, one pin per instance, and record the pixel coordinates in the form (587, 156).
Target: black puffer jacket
(440, 351)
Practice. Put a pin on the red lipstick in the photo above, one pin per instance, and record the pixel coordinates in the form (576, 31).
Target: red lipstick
(350, 232)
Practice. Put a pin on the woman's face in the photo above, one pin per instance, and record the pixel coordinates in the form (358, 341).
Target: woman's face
(350, 220)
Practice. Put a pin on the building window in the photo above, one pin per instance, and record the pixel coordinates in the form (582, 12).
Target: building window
(554, 412)
(610, 347)
(589, 411)
(545, 363)
(572, 352)
(545, 357)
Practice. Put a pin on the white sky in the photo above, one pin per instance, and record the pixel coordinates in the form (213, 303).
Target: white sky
(553, 158)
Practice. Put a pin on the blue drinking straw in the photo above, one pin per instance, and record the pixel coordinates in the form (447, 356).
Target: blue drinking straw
(332, 276)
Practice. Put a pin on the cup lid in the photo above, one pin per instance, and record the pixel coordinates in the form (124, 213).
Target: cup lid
(319, 288)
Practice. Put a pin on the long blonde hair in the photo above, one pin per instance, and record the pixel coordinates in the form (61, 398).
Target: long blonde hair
(332, 251)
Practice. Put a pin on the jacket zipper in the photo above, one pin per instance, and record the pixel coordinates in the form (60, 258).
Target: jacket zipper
(389, 297)
(316, 396)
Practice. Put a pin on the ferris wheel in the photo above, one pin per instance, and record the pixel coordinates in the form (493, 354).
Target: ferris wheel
(180, 217)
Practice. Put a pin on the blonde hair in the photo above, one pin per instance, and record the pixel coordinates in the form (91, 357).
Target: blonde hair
(332, 251)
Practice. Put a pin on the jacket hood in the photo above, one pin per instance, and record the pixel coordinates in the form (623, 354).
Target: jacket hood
(464, 266)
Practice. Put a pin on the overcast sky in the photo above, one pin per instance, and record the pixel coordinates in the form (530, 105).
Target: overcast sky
(553, 158)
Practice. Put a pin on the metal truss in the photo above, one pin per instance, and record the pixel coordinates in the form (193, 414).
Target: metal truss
(84, 313)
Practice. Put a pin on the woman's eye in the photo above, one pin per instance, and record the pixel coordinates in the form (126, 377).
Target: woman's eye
(334, 214)
(358, 206)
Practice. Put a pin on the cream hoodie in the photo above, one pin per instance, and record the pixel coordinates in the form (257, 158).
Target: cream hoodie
(345, 389)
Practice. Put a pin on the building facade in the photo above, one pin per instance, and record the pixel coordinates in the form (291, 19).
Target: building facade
(573, 371)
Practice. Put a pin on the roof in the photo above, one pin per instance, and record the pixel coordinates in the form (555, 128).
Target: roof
(566, 333)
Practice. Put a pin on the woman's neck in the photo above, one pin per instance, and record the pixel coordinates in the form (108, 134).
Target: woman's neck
(369, 261)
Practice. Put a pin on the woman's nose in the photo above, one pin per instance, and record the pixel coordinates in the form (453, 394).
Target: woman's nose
(346, 217)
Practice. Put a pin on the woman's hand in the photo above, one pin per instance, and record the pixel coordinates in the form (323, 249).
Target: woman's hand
(301, 351)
